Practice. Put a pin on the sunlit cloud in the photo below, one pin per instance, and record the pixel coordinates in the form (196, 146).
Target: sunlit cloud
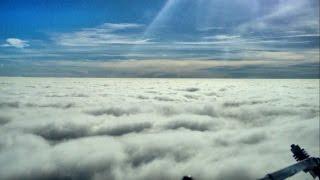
(135, 128)
(15, 42)
(221, 37)
(304, 13)
(105, 34)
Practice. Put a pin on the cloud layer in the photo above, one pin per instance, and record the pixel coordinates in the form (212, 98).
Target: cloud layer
(137, 128)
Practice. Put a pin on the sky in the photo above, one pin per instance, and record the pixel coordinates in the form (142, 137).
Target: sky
(160, 38)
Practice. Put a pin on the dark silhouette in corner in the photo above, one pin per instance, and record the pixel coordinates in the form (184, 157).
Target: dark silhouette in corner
(304, 163)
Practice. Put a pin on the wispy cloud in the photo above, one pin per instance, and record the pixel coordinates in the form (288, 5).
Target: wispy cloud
(235, 41)
(221, 37)
(193, 67)
(210, 28)
(302, 35)
(287, 16)
(15, 42)
(108, 33)
(120, 26)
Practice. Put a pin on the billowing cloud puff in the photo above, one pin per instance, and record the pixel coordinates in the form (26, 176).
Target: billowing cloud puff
(15, 42)
(154, 129)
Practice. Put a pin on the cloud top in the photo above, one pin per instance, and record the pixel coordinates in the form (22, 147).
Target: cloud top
(209, 128)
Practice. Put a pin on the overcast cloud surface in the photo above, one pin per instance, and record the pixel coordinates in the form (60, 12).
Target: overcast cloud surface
(154, 129)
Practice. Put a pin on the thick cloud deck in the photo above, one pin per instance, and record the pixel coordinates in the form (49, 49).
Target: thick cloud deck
(154, 128)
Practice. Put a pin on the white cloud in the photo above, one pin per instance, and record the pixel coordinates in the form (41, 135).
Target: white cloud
(296, 15)
(210, 28)
(104, 34)
(221, 37)
(114, 27)
(17, 43)
(236, 133)
(301, 35)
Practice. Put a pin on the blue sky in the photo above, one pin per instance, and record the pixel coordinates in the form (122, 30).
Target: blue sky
(159, 38)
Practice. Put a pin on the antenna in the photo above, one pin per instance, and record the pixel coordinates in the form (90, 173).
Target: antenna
(298, 153)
